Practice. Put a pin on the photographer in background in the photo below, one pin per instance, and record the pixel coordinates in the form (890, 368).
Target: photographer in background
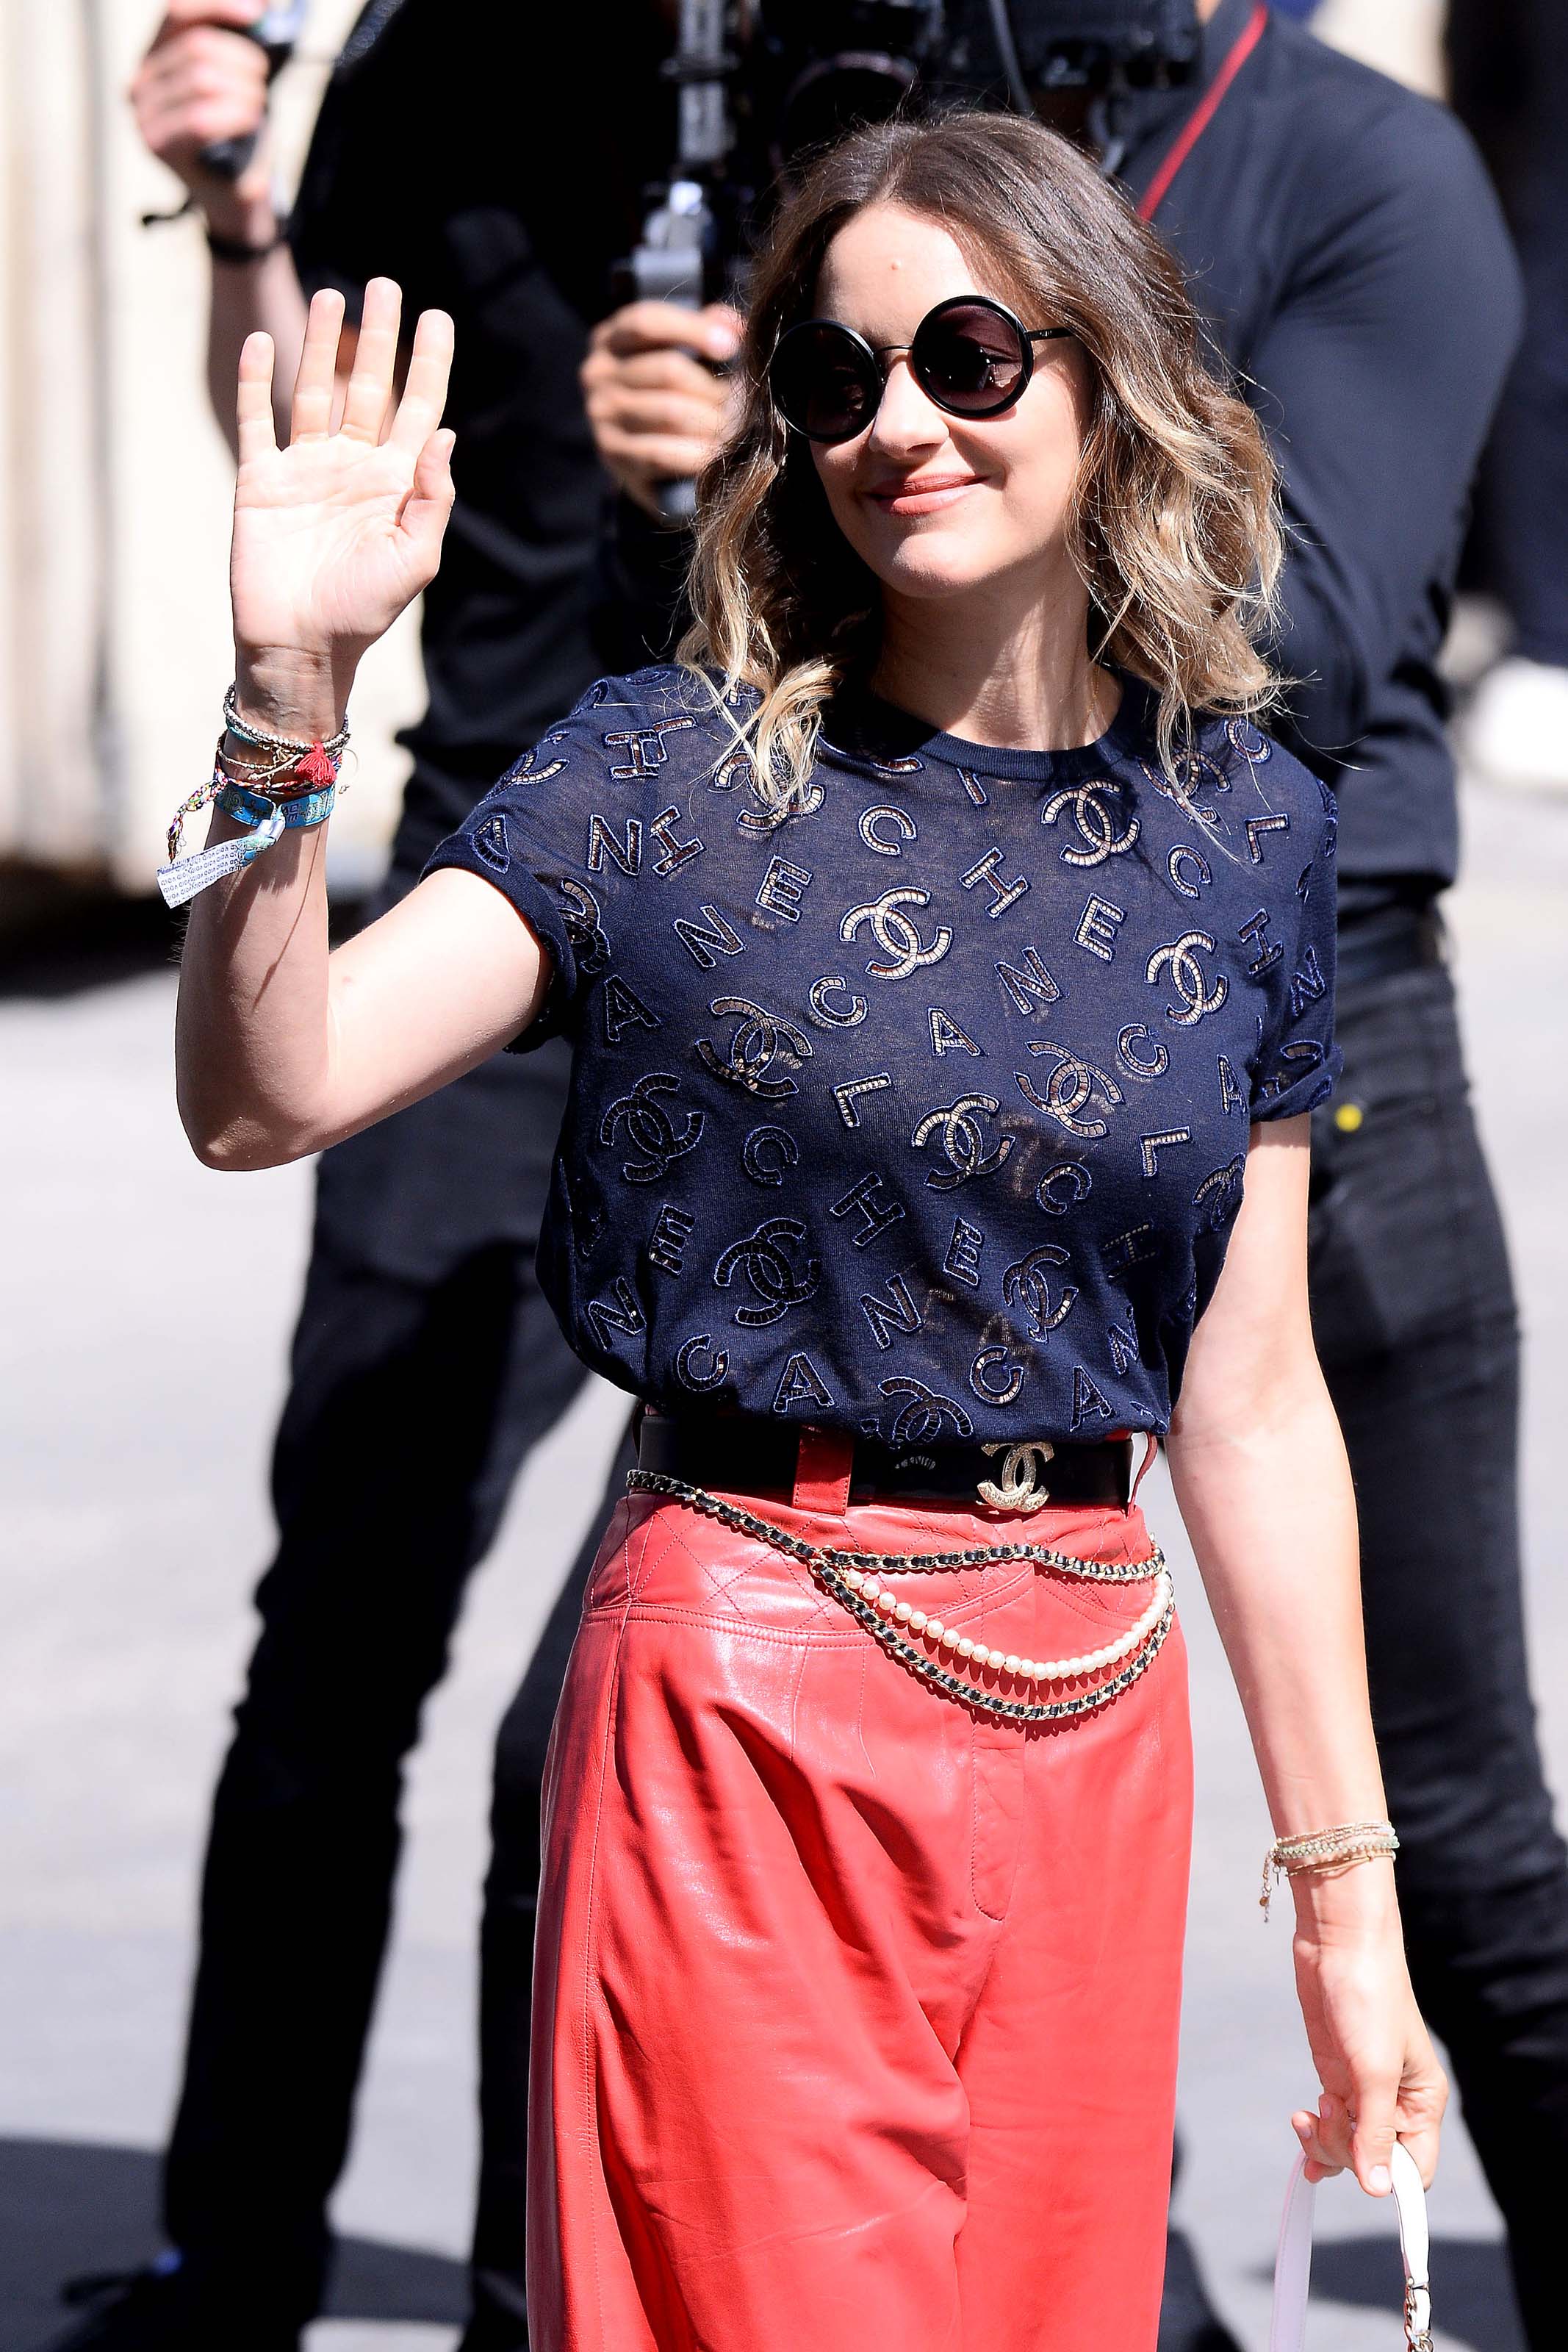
(1342, 241)
(424, 1344)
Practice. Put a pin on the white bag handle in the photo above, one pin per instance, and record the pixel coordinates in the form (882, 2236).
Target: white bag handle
(1293, 2266)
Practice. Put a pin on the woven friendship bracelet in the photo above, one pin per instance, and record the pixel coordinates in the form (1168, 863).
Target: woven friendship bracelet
(264, 772)
(191, 806)
(267, 820)
(248, 790)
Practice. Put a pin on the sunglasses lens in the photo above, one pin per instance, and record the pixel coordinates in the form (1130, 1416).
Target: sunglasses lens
(971, 360)
(822, 382)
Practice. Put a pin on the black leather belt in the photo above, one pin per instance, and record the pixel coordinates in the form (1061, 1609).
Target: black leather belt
(1392, 940)
(737, 1454)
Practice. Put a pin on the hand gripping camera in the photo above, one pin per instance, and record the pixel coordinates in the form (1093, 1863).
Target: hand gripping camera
(276, 32)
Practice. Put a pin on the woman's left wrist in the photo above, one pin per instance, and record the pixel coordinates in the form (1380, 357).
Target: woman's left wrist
(291, 690)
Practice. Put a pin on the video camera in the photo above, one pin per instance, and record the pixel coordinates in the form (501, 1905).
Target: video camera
(819, 66)
(762, 83)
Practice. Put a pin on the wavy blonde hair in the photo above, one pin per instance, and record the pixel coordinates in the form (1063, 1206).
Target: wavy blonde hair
(1172, 526)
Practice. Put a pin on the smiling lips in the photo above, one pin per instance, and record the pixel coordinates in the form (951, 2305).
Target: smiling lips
(917, 494)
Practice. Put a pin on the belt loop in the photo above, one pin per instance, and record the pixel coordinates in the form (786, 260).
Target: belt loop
(1150, 1447)
(822, 1469)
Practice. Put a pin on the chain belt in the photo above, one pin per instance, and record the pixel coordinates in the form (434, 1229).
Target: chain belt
(850, 1578)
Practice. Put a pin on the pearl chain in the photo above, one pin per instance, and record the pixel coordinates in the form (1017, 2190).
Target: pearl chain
(1026, 1670)
(864, 1597)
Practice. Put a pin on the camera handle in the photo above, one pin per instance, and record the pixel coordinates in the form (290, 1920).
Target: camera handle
(675, 255)
(1001, 18)
(275, 30)
(670, 266)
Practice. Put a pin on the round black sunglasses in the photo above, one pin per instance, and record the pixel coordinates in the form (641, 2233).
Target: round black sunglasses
(969, 356)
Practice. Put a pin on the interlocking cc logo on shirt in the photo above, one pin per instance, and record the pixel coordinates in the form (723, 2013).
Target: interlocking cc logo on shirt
(760, 1040)
(895, 934)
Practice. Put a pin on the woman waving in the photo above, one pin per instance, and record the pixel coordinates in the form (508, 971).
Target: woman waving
(947, 959)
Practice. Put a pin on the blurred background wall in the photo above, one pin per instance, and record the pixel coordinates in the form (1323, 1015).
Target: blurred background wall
(1403, 37)
(115, 483)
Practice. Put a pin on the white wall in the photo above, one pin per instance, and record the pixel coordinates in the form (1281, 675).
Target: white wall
(114, 480)
(1403, 37)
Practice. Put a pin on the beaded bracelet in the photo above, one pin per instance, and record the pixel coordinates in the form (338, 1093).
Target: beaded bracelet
(1351, 1842)
(249, 791)
(317, 761)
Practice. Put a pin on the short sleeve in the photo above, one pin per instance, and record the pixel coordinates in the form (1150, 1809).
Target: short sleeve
(562, 835)
(526, 839)
(1297, 1062)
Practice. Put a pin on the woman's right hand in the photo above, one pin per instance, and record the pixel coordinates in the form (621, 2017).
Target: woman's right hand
(337, 532)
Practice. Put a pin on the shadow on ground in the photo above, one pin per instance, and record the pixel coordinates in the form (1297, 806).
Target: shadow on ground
(1472, 2293)
(68, 2206)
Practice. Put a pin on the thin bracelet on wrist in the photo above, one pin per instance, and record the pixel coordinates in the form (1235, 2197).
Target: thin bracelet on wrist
(1332, 1849)
(292, 786)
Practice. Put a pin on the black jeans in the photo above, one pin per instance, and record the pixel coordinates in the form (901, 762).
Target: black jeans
(1413, 1315)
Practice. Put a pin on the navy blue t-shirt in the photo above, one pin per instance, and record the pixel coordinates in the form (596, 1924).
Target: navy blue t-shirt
(923, 1112)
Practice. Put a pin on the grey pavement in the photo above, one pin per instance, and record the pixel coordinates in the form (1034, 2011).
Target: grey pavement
(146, 1310)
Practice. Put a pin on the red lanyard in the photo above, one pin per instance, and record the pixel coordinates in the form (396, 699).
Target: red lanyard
(1203, 114)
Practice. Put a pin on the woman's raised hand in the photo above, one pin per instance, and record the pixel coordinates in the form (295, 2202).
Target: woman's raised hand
(336, 533)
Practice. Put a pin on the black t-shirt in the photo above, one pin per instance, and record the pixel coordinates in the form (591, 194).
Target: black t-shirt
(494, 162)
(926, 1107)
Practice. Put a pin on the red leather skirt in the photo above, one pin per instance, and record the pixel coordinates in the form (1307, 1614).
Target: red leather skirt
(855, 2009)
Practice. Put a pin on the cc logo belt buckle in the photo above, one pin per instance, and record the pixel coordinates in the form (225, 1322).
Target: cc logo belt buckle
(1019, 1488)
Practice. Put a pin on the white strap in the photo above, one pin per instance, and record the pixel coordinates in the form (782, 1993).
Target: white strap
(1293, 2265)
(187, 877)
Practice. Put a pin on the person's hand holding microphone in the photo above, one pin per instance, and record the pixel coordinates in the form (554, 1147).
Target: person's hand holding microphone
(203, 82)
(656, 398)
(199, 96)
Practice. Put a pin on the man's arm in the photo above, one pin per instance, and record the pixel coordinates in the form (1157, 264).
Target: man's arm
(1378, 376)
(201, 80)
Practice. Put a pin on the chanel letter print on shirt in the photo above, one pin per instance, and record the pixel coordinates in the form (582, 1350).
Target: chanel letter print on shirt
(926, 1109)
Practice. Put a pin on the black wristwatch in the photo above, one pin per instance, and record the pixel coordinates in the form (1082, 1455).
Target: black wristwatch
(234, 250)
